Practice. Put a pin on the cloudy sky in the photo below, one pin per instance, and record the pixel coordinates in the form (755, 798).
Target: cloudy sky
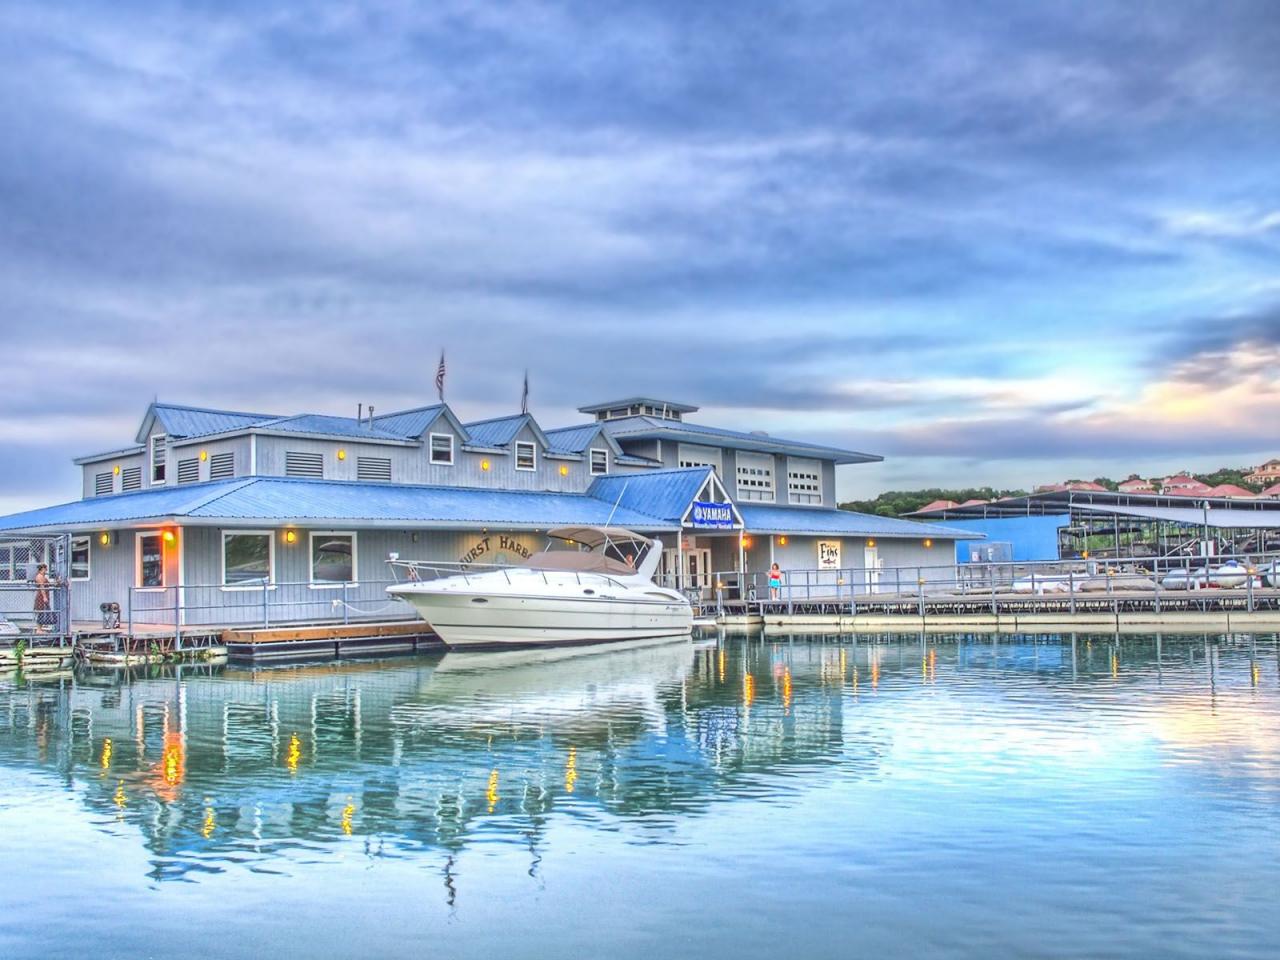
(997, 243)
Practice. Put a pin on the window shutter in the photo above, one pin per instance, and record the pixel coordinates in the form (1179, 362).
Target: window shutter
(304, 465)
(188, 470)
(102, 484)
(373, 469)
(131, 478)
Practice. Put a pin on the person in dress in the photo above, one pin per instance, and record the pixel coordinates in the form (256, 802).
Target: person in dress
(775, 582)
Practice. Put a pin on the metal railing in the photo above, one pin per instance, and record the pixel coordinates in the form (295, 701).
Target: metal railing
(34, 605)
(1237, 581)
(194, 608)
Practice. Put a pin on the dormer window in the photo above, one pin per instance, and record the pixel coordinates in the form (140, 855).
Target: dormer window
(442, 448)
(157, 458)
(526, 455)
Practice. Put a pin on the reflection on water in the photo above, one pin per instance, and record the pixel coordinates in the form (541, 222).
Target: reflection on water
(908, 772)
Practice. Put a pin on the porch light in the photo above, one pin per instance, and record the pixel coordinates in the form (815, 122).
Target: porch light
(169, 537)
(564, 470)
(782, 541)
(746, 542)
(291, 536)
(105, 539)
(204, 455)
(871, 542)
(342, 454)
(484, 465)
(928, 544)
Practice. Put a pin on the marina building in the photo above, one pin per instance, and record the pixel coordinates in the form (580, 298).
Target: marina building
(224, 517)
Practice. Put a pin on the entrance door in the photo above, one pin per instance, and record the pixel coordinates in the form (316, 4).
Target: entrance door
(871, 571)
(697, 568)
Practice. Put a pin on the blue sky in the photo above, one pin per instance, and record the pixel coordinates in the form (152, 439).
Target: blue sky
(998, 243)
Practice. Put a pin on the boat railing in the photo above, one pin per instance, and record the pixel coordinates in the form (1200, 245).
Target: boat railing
(417, 571)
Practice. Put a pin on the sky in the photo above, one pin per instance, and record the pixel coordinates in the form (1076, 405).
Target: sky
(998, 243)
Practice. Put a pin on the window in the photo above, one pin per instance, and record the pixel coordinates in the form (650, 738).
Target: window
(526, 456)
(79, 558)
(189, 470)
(157, 458)
(804, 481)
(6, 563)
(304, 465)
(102, 484)
(442, 448)
(688, 455)
(373, 468)
(755, 476)
(222, 465)
(150, 560)
(333, 558)
(599, 461)
(247, 558)
(131, 478)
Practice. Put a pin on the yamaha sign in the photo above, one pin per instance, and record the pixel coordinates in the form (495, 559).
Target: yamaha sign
(711, 514)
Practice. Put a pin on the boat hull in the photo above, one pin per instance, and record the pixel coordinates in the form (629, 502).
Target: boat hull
(489, 620)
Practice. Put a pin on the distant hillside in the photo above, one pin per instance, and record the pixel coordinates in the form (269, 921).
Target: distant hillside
(897, 502)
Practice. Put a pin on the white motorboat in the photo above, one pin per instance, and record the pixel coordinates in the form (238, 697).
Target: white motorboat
(600, 590)
(1185, 579)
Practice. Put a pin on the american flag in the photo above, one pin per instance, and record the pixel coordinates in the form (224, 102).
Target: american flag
(440, 377)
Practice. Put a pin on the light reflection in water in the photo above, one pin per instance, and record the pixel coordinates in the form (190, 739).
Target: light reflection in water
(1018, 751)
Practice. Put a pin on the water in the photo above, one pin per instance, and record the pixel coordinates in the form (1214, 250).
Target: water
(1111, 797)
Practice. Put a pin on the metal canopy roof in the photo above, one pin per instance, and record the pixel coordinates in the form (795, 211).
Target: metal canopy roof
(1219, 518)
(665, 495)
(639, 401)
(1063, 501)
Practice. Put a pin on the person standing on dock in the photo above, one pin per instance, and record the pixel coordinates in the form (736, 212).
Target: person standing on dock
(775, 582)
(41, 607)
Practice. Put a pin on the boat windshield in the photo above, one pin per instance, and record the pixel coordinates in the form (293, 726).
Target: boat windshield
(611, 550)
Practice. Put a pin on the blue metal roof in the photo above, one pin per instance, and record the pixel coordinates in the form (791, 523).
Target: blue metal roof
(321, 425)
(641, 401)
(651, 427)
(497, 432)
(179, 421)
(155, 504)
(573, 439)
(409, 423)
(666, 494)
(765, 519)
(288, 500)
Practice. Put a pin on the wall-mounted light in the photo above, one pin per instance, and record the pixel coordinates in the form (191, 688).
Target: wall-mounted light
(342, 454)
(116, 469)
(564, 470)
(782, 541)
(104, 538)
(746, 542)
(871, 542)
(169, 536)
(204, 455)
(928, 543)
(484, 465)
(291, 536)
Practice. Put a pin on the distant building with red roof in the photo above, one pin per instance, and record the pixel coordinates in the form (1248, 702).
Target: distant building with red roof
(1229, 490)
(1183, 485)
(1136, 484)
(1271, 491)
(938, 505)
(1083, 486)
(1269, 472)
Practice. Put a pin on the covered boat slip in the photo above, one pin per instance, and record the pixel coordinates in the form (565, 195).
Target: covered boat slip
(1166, 528)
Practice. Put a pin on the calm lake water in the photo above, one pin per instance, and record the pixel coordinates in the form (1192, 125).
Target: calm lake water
(807, 797)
